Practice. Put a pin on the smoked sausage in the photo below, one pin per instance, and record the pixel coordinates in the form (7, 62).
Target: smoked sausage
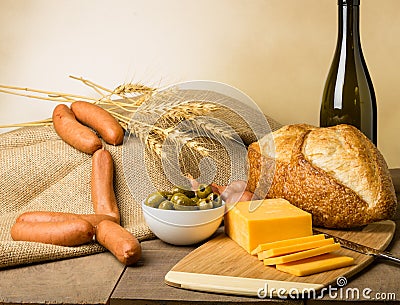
(100, 120)
(122, 244)
(102, 188)
(73, 132)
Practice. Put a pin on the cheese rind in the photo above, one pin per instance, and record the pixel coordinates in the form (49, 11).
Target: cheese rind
(317, 264)
(294, 248)
(301, 255)
(287, 242)
(273, 220)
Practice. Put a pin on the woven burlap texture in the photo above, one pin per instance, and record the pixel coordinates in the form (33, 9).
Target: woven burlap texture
(40, 172)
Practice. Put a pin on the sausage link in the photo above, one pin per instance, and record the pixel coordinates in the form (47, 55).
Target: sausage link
(46, 216)
(100, 120)
(73, 132)
(103, 196)
(122, 244)
(64, 233)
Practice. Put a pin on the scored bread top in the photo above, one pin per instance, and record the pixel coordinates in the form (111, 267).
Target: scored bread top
(345, 154)
(284, 140)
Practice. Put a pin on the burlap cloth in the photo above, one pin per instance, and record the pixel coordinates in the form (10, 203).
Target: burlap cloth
(41, 172)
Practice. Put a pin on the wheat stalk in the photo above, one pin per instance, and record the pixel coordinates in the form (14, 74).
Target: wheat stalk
(183, 124)
(128, 105)
(129, 88)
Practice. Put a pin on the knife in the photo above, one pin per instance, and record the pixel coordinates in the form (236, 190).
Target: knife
(361, 248)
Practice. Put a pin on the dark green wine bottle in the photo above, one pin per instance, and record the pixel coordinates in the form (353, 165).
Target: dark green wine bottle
(349, 96)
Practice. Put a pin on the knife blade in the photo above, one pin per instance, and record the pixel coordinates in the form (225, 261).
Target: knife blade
(361, 248)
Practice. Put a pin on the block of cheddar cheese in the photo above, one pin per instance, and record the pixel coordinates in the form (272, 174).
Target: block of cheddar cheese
(312, 265)
(272, 220)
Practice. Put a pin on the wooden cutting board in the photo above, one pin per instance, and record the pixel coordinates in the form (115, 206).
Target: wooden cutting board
(222, 266)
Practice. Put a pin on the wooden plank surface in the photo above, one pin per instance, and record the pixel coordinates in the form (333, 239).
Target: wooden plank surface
(83, 280)
(144, 284)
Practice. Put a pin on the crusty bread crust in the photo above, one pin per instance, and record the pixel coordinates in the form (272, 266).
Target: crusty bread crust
(267, 170)
(348, 189)
(261, 174)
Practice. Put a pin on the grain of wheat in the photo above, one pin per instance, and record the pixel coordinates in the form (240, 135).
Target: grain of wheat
(130, 88)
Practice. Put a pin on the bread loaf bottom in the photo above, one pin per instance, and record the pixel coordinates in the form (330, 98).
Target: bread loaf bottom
(335, 173)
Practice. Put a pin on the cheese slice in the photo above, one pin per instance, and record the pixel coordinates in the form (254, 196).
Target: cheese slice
(301, 255)
(294, 248)
(287, 242)
(272, 220)
(312, 265)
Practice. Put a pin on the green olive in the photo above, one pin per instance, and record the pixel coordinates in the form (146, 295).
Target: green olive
(183, 200)
(190, 193)
(205, 204)
(184, 191)
(212, 196)
(176, 196)
(166, 194)
(166, 205)
(195, 199)
(215, 199)
(185, 207)
(154, 199)
(204, 190)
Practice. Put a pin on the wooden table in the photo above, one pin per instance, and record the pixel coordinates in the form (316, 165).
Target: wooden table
(101, 279)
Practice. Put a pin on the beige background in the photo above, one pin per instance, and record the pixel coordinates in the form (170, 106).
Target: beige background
(278, 52)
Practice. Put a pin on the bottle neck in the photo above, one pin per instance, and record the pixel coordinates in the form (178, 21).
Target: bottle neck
(348, 25)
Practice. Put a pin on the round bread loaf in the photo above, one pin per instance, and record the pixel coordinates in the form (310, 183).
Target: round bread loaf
(335, 173)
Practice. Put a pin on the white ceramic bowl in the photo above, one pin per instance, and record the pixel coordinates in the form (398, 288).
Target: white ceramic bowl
(183, 227)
